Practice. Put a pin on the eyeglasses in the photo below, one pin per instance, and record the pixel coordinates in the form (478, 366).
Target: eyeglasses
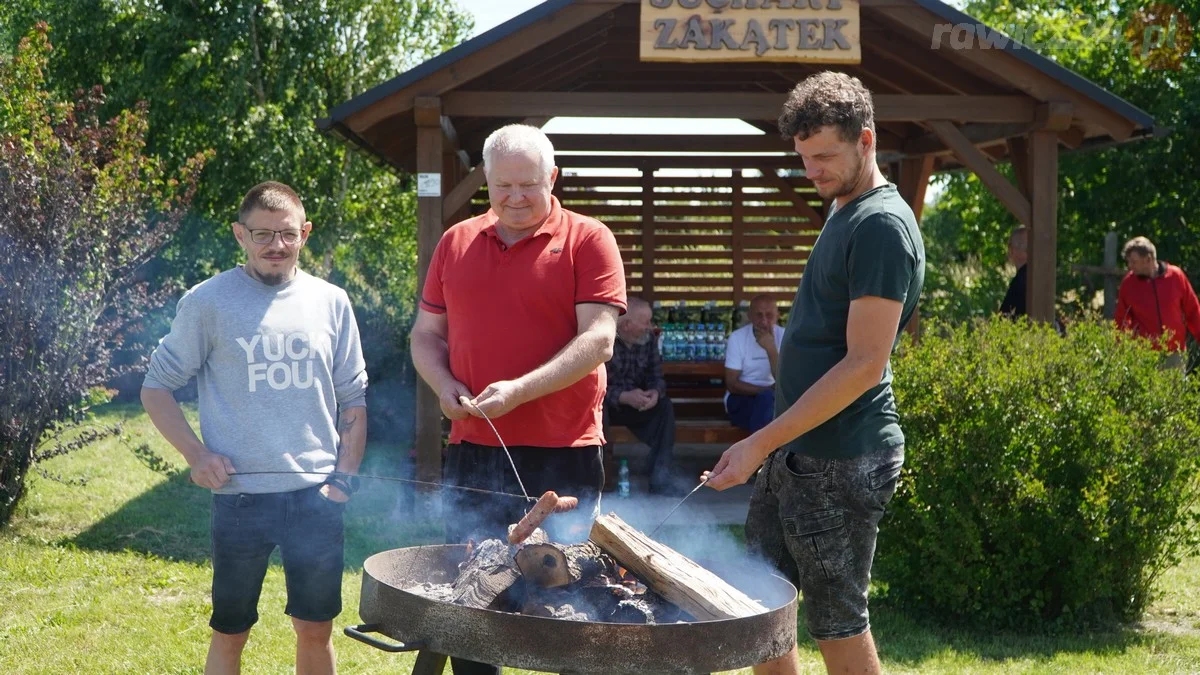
(265, 236)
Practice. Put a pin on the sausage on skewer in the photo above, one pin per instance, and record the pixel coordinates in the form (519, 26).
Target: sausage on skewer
(566, 504)
(544, 507)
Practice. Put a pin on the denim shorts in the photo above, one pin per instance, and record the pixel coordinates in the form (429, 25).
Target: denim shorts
(246, 528)
(816, 521)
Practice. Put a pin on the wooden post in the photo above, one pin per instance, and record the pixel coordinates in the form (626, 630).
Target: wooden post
(1109, 271)
(648, 233)
(1043, 179)
(428, 115)
(1018, 154)
(737, 228)
(1111, 282)
(912, 180)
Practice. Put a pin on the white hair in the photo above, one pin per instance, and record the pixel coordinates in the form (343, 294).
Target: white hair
(518, 138)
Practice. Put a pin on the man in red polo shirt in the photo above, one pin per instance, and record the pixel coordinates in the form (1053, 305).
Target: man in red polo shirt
(518, 314)
(1156, 298)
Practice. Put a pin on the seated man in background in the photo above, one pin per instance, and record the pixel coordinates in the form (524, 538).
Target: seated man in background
(751, 365)
(637, 393)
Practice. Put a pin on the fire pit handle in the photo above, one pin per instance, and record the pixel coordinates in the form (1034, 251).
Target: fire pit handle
(360, 631)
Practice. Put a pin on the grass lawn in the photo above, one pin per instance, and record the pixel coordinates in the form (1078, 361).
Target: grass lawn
(113, 577)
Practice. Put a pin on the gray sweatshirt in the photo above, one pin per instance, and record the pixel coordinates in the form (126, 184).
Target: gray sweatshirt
(274, 365)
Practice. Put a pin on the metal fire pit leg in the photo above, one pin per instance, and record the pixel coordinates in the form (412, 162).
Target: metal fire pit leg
(429, 663)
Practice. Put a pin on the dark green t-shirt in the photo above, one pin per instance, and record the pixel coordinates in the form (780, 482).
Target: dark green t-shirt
(869, 247)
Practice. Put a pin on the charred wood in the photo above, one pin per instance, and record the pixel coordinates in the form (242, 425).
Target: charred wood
(552, 565)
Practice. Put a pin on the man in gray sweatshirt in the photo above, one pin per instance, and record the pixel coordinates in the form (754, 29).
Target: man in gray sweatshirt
(277, 359)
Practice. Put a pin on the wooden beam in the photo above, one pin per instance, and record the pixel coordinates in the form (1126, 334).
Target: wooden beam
(428, 115)
(930, 29)
(788, 192)
(920, 62)
(452, 173)
(976, 161)
(1043, 241)
(449, 133)
(474, 141)
(483, 61)
(1018, 155)
(913, 180)
(465, 189)
(1073, 137)
(730, 161)
(976, 133)
(669, 143)
(738, 244)
(764, 106)
(1111, 282)
(1055, 115)
(648, 233)
(427, 112)
(566, 54)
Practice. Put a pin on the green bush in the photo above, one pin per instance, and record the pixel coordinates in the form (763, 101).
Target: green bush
(1049, 481)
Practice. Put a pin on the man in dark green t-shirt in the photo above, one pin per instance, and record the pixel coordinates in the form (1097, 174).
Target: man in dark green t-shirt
(818, 500)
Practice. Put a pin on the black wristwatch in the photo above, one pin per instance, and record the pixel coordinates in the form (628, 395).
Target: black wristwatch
(347, 483)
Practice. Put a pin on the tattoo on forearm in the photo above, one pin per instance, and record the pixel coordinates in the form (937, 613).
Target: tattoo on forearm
(345, 424)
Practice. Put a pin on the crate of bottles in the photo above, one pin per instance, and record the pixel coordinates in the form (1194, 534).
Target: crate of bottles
(694, 333)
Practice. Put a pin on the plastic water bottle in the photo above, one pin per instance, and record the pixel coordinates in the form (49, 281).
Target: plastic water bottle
(623, 479)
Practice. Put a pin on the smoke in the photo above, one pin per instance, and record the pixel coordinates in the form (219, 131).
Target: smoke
(705, 529)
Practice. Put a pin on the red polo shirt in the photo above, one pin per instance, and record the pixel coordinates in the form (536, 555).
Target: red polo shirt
(510, 309)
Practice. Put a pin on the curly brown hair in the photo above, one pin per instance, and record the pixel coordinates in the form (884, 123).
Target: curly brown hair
(828, 99)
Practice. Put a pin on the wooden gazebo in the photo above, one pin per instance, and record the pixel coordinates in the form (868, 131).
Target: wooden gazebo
(734, 216)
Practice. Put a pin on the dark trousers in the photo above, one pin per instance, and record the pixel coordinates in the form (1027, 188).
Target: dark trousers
(656, 428)
(751, 412)
(576, 472)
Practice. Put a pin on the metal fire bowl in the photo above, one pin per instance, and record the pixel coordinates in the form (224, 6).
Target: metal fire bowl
(559, 645)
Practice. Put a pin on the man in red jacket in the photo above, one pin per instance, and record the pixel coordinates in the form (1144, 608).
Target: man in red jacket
(1157, 298)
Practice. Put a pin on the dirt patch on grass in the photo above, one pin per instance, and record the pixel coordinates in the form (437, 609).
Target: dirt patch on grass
(1186, 624)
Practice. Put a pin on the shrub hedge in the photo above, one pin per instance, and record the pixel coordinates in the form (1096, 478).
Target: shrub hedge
(1049, 481)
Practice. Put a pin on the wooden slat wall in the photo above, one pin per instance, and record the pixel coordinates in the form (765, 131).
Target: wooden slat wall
(712, 237)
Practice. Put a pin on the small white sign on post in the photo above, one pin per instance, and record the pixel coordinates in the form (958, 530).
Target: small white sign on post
(429, 185)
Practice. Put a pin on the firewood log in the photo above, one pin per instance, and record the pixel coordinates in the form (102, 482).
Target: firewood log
(485, 575)
(553, 565)
(669, 573)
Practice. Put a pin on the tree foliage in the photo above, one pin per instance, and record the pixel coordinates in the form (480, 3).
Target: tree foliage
(249, 78)
(1147, 187)
(82, 209)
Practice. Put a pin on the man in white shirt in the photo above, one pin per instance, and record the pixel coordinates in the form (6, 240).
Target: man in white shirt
(751, 364)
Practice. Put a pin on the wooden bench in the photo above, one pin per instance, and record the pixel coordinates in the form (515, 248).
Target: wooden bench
(688, 431)
(697, 390)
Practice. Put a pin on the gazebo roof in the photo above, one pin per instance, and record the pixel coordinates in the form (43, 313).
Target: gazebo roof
(581, 58)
